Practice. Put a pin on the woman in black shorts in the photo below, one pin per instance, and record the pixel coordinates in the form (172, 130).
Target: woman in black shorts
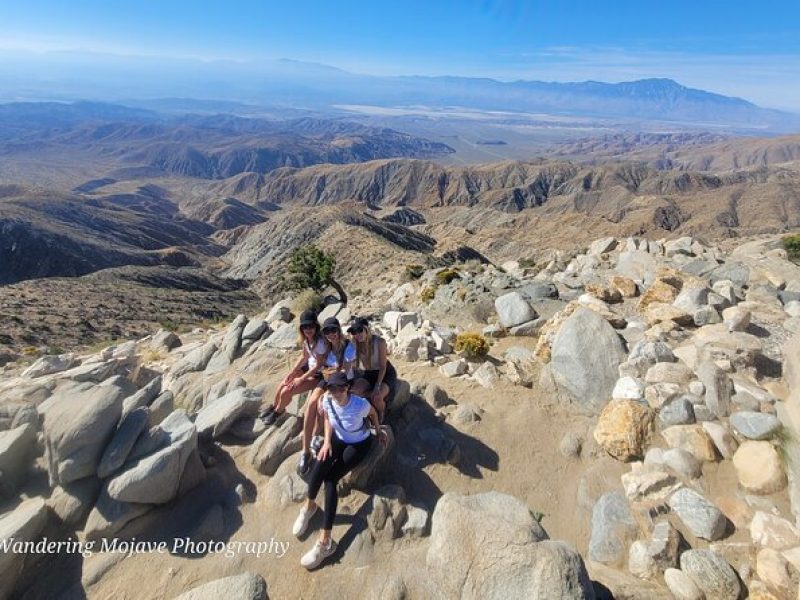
(306, 374)
(371, 352)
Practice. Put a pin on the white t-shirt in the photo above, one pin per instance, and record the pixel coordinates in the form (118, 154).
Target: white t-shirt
(349, 426)
(319, 348)
(332, 359)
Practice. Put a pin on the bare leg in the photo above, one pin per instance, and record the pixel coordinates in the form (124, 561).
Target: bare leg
(310, 417)
(286, 394)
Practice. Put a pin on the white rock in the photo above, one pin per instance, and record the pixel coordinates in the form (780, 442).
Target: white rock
(628, 388)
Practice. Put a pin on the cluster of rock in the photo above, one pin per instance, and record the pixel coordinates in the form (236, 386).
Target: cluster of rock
(676, 347)
(682, 353)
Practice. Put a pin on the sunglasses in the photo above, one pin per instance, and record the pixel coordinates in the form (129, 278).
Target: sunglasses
(357, 330)
(330, 330)
(309, 326)
(337, 388)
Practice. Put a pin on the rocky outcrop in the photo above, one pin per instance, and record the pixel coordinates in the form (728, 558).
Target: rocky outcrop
(490, 546)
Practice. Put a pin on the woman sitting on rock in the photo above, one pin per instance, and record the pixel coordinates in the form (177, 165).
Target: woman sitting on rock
(347, 441)
(371, 352)
(341, 358)
(306, 374)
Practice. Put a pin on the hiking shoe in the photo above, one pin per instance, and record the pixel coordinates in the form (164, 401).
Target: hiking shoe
(304, 464)
(302, 520)
(314, 557)
(271, 418)
(267, 411)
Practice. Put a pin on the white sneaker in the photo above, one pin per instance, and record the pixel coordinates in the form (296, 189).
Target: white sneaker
(314, 557)
(302, 521)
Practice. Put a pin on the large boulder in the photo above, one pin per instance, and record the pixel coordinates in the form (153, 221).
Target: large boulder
(155, 479)
(758, 468)
(128, 430)
(613, 528)
(77, 428)
(702, 518)
(491, 546)
(247, 586)
(229, 348)
(109, 516)
(275, 445)
(196, 360)
(623, 428)
(17, 448)
(23, 524)
(143, 397)
(513, 309)
(711, 573)
(47, 365)
(585, 356)
(215, 419)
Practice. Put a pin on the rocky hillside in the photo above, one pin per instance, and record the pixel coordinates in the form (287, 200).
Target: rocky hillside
(630, 431)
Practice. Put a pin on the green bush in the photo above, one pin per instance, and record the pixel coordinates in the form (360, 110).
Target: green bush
(447, 275)
(527, 263)
(428, 294)
(472, 345)
(792, 245)
(414, 272)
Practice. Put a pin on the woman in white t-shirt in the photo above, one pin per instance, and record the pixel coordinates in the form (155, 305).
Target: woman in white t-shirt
(347, 442)
(341, 358)
(306, 373)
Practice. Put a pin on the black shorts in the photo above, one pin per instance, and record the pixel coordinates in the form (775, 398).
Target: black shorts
(389, 378)
(317, 376)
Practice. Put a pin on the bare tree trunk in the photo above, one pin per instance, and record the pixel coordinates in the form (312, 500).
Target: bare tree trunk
(339, 290)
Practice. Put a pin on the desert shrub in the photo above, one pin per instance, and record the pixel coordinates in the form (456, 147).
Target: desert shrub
(54, 350)
(168, 324)
(792, 245)
(472, 345)
(152, 356)
(31, 351)
(413, 272)
(527, 263)
(447, 275)
(307, 300)
(427, 294)
(356, 292)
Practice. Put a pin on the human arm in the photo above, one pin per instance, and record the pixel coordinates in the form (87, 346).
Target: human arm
(325, 451)
(383, 438)
(383, 362)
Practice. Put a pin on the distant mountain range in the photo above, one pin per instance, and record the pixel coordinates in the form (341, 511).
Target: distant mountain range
(297, 84)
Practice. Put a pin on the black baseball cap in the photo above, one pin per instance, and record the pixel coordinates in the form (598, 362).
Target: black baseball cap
(332, 323)
(339, 378)
(309, 317)
(358, 323)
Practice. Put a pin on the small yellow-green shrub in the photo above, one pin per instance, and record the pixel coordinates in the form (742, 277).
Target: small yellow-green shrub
(471, 345)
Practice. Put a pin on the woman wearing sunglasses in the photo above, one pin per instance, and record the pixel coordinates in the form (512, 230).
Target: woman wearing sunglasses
(371, 352)
(341, 358)
(305, 375)
(347, 441)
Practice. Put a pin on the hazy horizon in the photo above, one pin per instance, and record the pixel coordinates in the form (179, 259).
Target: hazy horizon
(750, 54)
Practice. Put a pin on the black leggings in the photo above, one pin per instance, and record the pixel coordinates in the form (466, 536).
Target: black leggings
(343, 458)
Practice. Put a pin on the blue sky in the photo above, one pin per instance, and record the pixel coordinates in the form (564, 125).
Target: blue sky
(746, 49)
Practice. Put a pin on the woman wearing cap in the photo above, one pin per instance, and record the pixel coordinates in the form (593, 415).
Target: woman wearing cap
(305, 375)
(371, 355)
(347, 442)
(341, 358)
